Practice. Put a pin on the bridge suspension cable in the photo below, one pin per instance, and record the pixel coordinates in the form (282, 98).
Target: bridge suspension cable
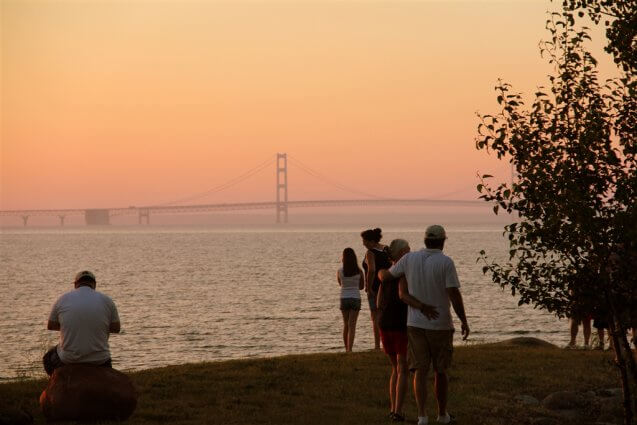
(227, 185)
(308, 170)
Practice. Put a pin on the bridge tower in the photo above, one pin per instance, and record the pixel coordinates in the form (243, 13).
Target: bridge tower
(281, 187)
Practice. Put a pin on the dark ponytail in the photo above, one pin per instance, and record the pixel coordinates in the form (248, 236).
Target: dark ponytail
(374, 235)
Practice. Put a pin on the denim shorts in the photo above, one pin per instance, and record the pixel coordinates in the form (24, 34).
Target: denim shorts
(351, 304)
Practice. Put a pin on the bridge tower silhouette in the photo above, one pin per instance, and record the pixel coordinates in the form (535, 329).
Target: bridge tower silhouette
(281, 187)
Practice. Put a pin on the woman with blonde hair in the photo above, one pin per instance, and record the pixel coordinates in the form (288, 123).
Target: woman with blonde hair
(392, 322)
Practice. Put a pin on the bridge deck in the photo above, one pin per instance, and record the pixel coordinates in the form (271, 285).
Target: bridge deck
(177, 209)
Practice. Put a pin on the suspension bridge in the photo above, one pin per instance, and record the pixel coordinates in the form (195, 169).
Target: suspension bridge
(281, 205)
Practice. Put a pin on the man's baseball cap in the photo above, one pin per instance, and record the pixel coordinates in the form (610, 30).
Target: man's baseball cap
(435, 231)
(84, 275)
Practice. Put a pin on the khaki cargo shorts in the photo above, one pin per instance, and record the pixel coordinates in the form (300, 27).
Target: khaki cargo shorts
(428, 346)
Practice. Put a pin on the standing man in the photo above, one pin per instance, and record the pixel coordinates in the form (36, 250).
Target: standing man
(432, 286)
(85, 318)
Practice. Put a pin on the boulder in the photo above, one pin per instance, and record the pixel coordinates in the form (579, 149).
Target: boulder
(564, 400)
(88, 393)
(544, 421)
(527, 341)
(14, 416)
(527, 400)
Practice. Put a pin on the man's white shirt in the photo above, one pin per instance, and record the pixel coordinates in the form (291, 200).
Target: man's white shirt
(85, 316)
(429, 273)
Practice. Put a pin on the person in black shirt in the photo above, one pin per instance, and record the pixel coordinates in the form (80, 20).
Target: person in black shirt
(392, 321)
(376, 258)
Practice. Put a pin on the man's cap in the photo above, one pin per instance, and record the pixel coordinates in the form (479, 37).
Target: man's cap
(84, 275)
(435, 231)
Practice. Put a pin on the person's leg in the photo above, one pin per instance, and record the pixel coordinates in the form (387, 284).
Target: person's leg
(600, 337)
(392, 382)
(420, 391)
(401, 383)
(586, 327)
(441, 386)
(345, 327)
(376, 330)
(51, 361)
(353, 317)
(573, 326)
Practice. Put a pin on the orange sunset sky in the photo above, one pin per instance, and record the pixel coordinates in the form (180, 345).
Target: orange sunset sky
(117, 103)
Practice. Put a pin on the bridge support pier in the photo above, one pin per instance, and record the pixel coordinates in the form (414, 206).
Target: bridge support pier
(281, 187)
(144, 214)
(100, 217)
(25, 219)
(62, 217)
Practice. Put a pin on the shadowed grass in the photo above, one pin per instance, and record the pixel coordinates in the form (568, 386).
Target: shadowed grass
(341, 388)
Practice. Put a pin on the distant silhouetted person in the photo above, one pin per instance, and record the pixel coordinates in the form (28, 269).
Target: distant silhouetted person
(431, 287)
(376, 258)
(577, 317)
(392, 321)
(350, 279)
(85, 318)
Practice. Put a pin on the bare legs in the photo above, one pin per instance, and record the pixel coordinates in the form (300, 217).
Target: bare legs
(397, 382)
(420, 391)
(349, 328)
(586, 327)
(441, 385)
(376, 329)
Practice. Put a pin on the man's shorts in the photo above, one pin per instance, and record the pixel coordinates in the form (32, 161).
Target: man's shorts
(51, 361)
(428, 346)
(350, 304)
(394, 342)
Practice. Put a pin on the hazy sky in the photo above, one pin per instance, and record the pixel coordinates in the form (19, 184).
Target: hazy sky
(118, 103)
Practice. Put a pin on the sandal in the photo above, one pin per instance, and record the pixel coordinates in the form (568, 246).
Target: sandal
(397, 417)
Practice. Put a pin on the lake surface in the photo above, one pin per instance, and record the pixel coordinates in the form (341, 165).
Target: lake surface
(206, 294)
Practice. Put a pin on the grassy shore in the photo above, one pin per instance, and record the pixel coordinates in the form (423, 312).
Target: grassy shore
(340, 388)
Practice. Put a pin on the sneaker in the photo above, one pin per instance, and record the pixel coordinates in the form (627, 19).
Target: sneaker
(423, 420)
(448, 419)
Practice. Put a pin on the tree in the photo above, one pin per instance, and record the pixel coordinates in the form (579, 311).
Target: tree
(620, 19)
(574, 152)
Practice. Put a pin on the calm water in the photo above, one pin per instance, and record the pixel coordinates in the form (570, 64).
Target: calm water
(195, 294)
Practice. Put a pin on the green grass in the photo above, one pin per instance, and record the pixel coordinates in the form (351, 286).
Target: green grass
(340, 388)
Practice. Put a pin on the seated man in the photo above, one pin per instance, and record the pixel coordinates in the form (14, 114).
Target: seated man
(85, 318)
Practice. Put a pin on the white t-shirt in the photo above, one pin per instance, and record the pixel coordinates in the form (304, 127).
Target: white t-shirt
(85, 316)
(429, 273)
(349, 285)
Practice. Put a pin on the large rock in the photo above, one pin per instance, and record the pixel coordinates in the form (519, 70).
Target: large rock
(564, 400)
(527, 341)
(86, 392)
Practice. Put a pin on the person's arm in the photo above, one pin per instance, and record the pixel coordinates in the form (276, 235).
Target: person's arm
(385, 275)
(379, 296)
(338, 278)
(54, 322)
(429, 311)
(458, 306)
(371, 270)
(115, 325)
(361, 282)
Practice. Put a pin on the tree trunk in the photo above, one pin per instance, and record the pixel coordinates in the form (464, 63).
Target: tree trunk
(615, 326)
(630, 361)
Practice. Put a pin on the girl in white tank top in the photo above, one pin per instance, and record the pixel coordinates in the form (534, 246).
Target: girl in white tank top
(350, 279)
